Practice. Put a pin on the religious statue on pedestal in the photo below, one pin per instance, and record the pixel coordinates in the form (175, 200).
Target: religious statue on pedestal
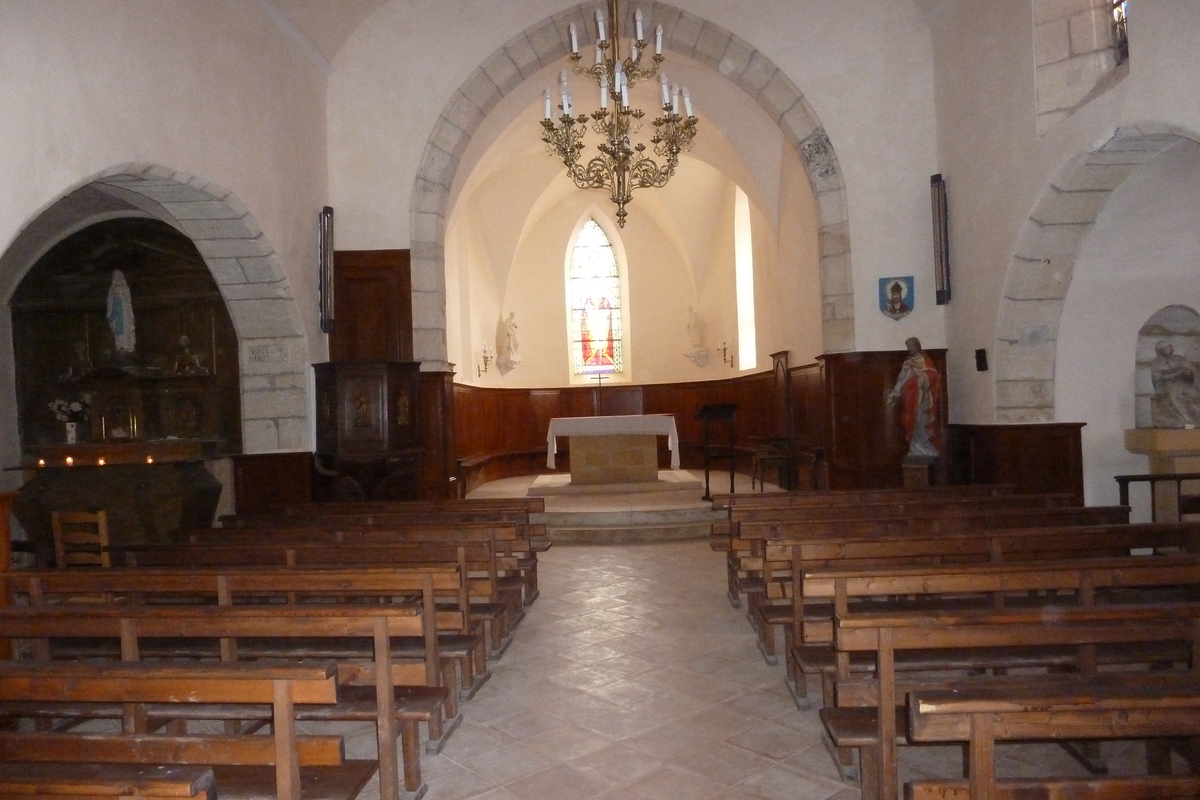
(119, 312)
(918, 392)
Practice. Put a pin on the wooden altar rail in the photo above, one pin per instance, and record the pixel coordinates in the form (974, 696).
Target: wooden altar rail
(1186, 504)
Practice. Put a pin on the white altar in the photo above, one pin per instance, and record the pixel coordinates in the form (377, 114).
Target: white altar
(621, 449)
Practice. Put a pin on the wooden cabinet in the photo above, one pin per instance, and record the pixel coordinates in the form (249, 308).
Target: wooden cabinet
(368, 428)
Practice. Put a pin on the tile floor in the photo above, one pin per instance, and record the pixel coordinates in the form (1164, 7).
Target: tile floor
(631, 676)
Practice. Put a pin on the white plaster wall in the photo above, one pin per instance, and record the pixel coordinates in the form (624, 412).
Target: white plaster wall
(210, 88)
(864, 67)
(997, 166)
(1142, 255)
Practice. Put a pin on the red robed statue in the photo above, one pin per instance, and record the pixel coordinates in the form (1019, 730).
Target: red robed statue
(918, 390)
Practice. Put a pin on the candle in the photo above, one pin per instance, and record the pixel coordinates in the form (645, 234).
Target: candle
(599, 55)
(548, 107)
(658, 41)
(637, 18)
(604, 95)
(574, 39)
(687, 101)
(566, 97)
(666, 91)
(70, 461)
(633, 52)
(41, 462)
(674, 99)
(149, 459)
(600, 23)
(100, 462)
(625, 94)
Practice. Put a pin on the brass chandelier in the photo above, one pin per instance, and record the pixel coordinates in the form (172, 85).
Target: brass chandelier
(621, 165)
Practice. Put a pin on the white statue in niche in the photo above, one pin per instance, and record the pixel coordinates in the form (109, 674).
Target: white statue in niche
(1167, 370)
(120, 314)
(506, 358)
(698, 354)
(1176, 393)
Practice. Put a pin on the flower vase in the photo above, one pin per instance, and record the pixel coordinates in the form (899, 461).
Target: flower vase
(72, 432)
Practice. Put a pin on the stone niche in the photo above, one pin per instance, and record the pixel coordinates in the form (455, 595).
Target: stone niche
(126, 364)
(1178, 327)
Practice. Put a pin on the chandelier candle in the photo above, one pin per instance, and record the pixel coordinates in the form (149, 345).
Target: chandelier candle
(621, 164)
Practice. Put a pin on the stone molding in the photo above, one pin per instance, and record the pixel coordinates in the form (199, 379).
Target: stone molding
(273, 358)
(547, 42)
(1043, 262)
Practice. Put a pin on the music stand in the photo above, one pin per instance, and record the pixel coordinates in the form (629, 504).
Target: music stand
(721, 412)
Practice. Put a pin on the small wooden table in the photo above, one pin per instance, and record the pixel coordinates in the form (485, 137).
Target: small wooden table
(616, 449)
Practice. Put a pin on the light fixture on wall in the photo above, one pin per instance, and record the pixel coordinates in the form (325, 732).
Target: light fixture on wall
(724, 351)
(486, 356)
(622, 165)
(941, 239)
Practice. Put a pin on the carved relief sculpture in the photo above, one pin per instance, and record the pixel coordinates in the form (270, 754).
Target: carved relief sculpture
(1176, 394)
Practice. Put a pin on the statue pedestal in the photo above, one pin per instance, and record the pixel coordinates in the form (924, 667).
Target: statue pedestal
(918, 472)
(1170, 450)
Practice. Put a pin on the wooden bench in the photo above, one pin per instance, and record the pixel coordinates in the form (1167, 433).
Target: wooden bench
(869, 551)
(289, 761)
(531, 537)
(418, 661)
(512, 582)
(358, 637)
(49, 781)
(760, 590)
(1054, 639)
(477, 595)
(1095, 707)
(508, 585)
(948, 591)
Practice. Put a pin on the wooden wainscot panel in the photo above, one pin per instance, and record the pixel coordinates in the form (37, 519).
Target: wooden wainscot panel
(864, 443)
(1035, 457)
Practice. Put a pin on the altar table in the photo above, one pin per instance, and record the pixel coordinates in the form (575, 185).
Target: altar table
(621, 449)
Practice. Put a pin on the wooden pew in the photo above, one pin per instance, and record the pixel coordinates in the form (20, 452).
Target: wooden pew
(477, 596)
(932, 520)
(1093, 707)
(49, 781)
(292, 760)
(531, 539)
(721, 502)
(230, 585)
(947, 629)
(1008, 545)
(357, 637)
(505, 537)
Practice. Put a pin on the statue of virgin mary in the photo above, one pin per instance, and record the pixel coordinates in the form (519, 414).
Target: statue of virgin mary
(120, 314)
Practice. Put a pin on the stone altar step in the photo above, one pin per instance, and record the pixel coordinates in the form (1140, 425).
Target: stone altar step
(628, 526)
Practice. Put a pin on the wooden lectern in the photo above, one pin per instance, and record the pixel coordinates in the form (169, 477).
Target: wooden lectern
(717, 412)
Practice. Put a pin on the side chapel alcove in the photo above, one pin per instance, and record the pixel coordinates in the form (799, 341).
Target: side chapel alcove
(127, 380)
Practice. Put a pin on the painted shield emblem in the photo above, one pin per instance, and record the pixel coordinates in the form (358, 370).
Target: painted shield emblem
(897, 296)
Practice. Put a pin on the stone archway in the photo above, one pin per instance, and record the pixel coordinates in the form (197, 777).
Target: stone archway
(273, 354)
(547, 43)
(1044, 261)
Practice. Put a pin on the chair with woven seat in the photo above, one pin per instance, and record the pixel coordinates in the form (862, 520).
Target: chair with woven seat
(80, 539)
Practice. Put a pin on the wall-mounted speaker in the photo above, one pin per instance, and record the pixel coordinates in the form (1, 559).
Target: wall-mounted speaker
(981, 360)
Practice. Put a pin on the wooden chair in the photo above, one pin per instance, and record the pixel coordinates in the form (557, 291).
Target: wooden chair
(80, 539)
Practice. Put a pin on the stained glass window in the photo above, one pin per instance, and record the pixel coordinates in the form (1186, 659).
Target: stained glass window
(1120, 37)
(595, 292)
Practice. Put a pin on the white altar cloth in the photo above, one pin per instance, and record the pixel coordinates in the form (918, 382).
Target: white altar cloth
(635, 424)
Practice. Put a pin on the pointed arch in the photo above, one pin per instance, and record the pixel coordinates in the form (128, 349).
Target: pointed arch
(686, 34)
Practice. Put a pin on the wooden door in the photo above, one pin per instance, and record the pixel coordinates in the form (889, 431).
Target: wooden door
(372, 306)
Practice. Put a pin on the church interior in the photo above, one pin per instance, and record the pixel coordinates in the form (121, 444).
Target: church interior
(337, 288)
